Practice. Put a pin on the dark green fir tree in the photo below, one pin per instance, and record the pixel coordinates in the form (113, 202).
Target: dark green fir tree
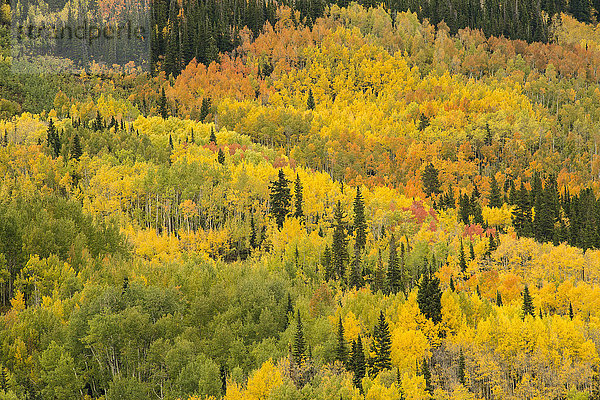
(382, 345)
(298, 201)
(310, 103)
(527, 303)
(299, 348)
(360, 223)
(339, 247)
(341, 350)
(280, 198)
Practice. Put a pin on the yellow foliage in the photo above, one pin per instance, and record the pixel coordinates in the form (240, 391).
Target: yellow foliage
(263, 381)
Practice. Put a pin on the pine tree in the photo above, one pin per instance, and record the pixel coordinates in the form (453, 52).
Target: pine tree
(289, 312)
(298, 213)
(339, 247)
(522, 213)
(253, 243)
(471, 251)
(213, 138)
(462, 261)
(358, 362)
(223, 374)
(429, 177)
(498, 299)
(221, 157)
(393, 274)
(427, 376)
(379, 281)
(280, 199)
(360, 224)
(356, 278)
(546, 212)
(98, 123)
(53, 139)
(452, 288)
(382, 345)
(571, 315)
(205, 109)
(163, 105)
(527, 303)
(170, 142)
(310, 103)
(341, 351)
(326, 262)
(76, 151)
(464, 209)
(429, 298)
(495, 195)
(299, 350)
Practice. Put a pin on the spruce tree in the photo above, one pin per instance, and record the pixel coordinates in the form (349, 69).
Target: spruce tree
(163, 105)
(360, 224)
(310, 103)
(427, 376)
(462, 261)
(358, 362)
(471, 251)
(522, 213)
(213, 138)
(356, 279)
(298, 213)
(253, 242)
(221, 157)
(382, 345)
(289, 312)
(299, 349)
(76, 151)
(429, 177)
(571, 315)
(546, 212)
(205, 108)
(326, 262)
(429, 298)
(452, 288)
(461, 368)
(341, 351)
(498, 299)
(98, 123)
(495, 195)
(393, 274)
(170, 142)
(280, 199)
(223, 374)
(527, 303)
(53, 139)
(379, 281)
(464, 209)
(339, 247)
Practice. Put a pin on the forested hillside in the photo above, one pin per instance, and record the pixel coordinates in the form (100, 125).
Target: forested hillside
(341, 201)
